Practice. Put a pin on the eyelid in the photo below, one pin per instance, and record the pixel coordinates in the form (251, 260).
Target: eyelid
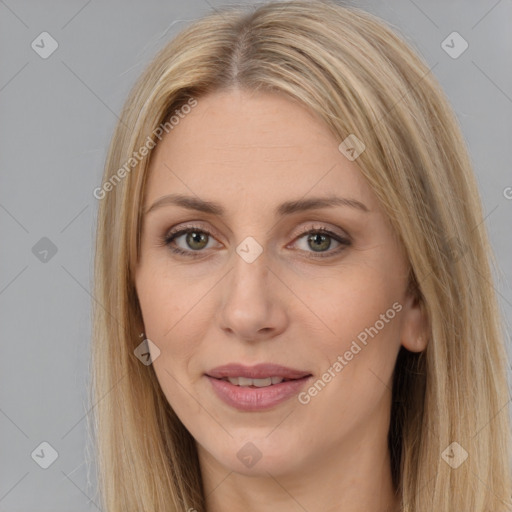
(197, 225)
(314, 225)
(321, 226)
(343, 239)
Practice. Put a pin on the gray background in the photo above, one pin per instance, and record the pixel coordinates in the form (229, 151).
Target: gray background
(57, 116)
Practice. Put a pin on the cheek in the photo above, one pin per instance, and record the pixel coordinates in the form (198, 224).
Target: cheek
(346, 304)
(362, 309)
(360, 316)
(172, 319)
(171, 311)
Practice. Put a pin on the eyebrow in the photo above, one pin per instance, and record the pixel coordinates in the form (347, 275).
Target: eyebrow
(287, 208)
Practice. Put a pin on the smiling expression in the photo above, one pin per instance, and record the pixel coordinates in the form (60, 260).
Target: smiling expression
(262, 244)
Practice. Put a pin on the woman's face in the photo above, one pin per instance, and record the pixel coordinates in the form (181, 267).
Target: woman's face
(270, 273)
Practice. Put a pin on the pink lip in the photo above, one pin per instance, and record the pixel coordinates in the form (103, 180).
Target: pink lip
(253, 398)
(259, 371)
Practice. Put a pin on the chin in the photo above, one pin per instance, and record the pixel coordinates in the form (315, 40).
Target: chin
(260, 457)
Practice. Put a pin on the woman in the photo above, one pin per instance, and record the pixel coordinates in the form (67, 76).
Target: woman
(294, 300)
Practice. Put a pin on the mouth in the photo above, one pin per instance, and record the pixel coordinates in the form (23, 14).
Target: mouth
(259, 372)
(255, 388)
(255, 383)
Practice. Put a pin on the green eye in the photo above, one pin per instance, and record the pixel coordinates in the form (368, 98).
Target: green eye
(196, 240)
(319, 241)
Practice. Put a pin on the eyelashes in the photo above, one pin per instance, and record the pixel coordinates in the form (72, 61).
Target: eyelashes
(318, 236)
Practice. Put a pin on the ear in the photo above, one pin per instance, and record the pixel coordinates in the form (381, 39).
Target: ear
(415, 329)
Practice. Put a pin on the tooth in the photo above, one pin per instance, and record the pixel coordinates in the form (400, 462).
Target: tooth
(244, 381)
(261, 383)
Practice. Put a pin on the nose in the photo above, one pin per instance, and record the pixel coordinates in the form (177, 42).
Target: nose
(253, 301)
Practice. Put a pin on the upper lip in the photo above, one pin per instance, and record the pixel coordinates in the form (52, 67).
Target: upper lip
(258, 371)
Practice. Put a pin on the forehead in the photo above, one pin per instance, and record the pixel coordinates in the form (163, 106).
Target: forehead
(259, 144)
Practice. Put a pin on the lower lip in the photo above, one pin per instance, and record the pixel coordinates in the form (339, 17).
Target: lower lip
(256, 399)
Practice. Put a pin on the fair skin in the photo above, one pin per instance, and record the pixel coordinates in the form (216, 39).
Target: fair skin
(251, 152)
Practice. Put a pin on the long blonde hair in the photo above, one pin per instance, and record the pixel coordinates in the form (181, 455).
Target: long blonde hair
(362, 79)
